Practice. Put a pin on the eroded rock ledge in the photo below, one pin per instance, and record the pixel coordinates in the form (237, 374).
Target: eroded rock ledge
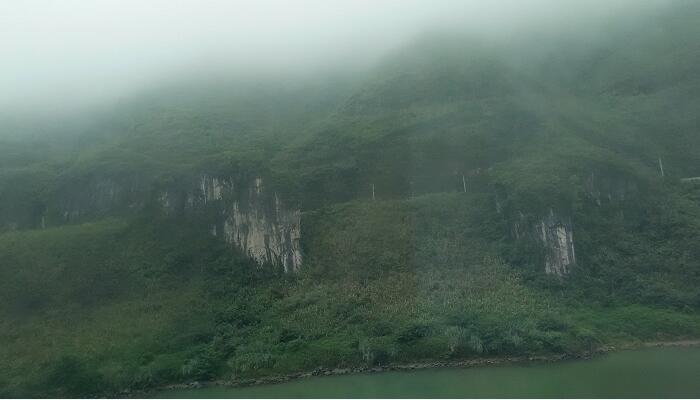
(555, 234)
(239, 209)
(247, 215)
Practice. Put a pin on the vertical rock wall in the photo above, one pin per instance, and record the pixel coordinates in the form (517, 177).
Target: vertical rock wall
(268, 233)
(557, 237)
(555, 234)
(248, 216)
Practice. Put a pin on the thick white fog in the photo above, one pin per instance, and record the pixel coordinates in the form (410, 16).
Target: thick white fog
(73, 52)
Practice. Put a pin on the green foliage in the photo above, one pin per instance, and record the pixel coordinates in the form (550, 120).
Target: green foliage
(70, 377)
(461, 142)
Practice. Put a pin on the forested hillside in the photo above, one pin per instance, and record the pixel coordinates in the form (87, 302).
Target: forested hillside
(462, 198)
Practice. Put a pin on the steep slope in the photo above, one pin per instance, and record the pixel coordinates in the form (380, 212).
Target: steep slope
(461, 199)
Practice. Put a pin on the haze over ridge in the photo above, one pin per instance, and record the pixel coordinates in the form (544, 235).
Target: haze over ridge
(72, 53)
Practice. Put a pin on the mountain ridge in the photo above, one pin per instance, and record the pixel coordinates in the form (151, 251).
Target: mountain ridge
(458, 200)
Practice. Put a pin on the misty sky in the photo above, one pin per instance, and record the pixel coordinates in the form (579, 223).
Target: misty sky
(68, 51)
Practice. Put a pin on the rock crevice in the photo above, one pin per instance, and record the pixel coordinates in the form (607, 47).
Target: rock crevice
(557, 236)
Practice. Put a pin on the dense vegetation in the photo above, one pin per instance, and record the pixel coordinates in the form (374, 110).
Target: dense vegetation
(131, 299)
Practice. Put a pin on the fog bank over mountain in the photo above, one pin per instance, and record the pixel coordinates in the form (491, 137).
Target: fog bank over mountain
(194, 193)
(59, 55)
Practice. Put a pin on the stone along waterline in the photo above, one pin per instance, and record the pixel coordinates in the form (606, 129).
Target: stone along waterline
(654, 372)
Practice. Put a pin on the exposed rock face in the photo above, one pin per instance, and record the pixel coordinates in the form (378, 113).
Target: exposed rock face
(213, 188)
(76, 201)
(609, 188)
(96, 196)
(248, 216)
(239, 210)
(557, 236)
(266, 234)
(552, 232)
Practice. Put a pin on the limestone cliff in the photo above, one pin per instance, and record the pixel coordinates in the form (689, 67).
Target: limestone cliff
(268, 235)
(238, 209)
(554, 234)
(609, 188)
(557, 237)
(247, 215)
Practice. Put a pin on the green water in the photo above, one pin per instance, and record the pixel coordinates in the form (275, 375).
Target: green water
(658, 372)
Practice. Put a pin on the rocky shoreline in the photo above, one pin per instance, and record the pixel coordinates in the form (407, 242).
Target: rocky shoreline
(464, 363)
(468, 363)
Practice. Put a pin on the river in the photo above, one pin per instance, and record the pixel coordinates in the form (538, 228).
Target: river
(652, 372)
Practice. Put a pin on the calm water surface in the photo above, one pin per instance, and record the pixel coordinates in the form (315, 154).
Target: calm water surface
(658, 372)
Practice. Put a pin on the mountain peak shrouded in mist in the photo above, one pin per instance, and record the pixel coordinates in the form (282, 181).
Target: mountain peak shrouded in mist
(195, 193)
(73, 53)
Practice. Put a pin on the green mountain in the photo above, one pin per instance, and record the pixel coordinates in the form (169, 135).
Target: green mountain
(463, 198)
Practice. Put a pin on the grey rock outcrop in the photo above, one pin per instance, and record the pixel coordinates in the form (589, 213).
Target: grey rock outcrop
(248, 216)
(557, 237)
(237, 209)
(554, 234)
(266, 234)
